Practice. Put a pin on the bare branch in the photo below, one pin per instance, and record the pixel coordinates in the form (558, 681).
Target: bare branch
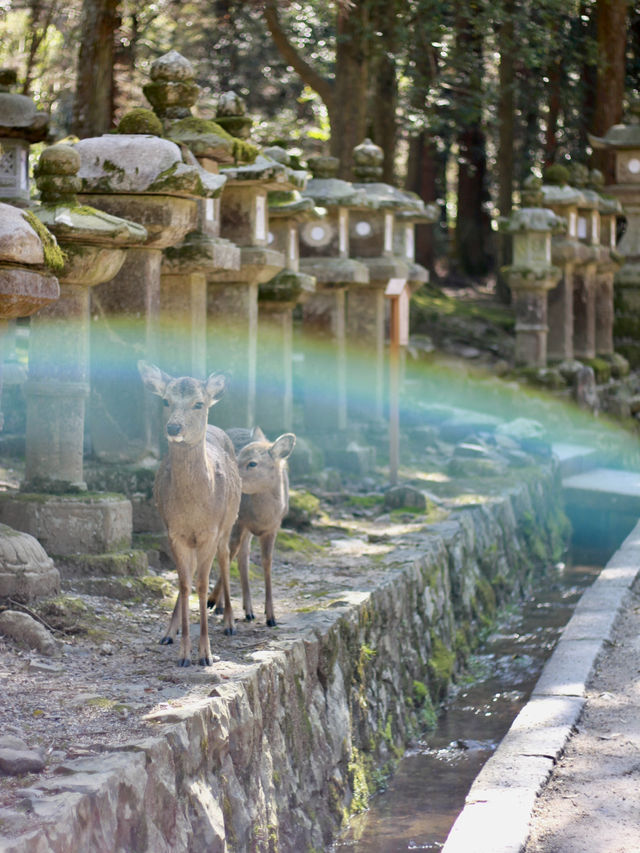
(307, 72)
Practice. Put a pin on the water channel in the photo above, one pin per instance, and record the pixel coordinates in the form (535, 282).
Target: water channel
(427, 792)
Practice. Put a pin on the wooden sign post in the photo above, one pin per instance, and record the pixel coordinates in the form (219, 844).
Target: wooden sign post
(398, 294)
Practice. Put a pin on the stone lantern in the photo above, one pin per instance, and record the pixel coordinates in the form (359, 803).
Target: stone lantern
(232, 304)
(584, 281)
(624, 140)
(21, 124)
(325, 254)
(608, 263)
(288, 211)
(172, 93)
(532, 274)
(137, 175)
(371, 239)
(27, 283)
(94, 244)
(566, 252)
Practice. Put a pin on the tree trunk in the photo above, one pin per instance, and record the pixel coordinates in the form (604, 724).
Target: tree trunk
(554, 105)
(384, 95)
(611, 25)
(472, 225)
(94, 105)
(506, 137)
(424, 177)
(348, 111)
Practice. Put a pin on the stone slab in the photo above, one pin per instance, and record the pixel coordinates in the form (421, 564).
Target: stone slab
(69, 525)
(569, 668)
(573, 458)
(609, 482)
(499, 825)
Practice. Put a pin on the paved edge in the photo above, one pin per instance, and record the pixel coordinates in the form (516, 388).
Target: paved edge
(498, 808)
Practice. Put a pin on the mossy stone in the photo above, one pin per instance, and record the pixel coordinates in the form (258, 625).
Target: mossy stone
(141, 121)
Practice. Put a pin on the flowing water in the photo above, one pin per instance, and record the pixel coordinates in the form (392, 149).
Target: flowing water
(427, 792)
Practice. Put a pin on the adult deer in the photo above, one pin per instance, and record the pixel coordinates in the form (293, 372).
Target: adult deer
(265, 502)
(197, 491)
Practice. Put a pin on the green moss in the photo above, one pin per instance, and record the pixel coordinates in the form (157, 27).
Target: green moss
(441, 666)
(54, 257)
(601, 369)
(357, 769)
(157, 587)
(557, 174)
(289, 541)
(140, 121)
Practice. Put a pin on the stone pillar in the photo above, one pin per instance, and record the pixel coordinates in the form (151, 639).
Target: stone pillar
(27, 283)
(21, 124)
(324, 253)
(608, 262)
(584, 282)
(232, 301)
(371, 239)
(624, 140)
(94, 244)
(182, 324)
(276, 300)
(140, 176)
(532, 274)
(566, 253)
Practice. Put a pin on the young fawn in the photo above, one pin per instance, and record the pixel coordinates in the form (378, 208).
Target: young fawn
(265, 502)
(197, 491)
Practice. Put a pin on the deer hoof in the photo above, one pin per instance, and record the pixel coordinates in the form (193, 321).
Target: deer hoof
(230, 631)
(166, 641)
(219, 610)
(249, 616)
(184, 662)
(271, 622)
(204, 661)
(211, 603)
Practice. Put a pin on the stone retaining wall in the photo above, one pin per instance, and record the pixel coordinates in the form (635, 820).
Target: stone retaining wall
(275, 760)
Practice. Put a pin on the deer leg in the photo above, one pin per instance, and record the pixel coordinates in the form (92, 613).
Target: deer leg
(213, 602)
(185, 563)
(267, 541)
(243, 568)
(223, 562)
(215, 598)
(205, 559)
(172, 628)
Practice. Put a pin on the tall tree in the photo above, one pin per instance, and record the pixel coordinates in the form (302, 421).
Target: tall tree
(344, 94)
(94, 104)
(611, 34)
(472, 224)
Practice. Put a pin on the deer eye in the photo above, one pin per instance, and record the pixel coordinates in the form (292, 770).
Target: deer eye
(252, 464)
(198, 405)
(165, 402)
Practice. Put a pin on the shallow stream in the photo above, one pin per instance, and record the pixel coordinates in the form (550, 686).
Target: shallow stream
(427, 792)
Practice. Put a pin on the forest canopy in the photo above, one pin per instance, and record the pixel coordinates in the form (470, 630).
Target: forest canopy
(465, 98)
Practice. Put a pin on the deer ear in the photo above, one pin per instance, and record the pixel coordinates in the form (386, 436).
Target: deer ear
(257, 434)
(154, 379)
(283, 446)
(214, 387)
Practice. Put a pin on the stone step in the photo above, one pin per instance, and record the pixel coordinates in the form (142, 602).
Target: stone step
(603, 505)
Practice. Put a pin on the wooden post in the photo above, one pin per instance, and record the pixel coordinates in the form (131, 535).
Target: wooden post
(394, 378)
(398, 294)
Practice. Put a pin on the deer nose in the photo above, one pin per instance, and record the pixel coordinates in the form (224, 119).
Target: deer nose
(173, 429)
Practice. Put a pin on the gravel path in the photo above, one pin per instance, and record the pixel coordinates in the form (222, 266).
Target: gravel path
(592, 801)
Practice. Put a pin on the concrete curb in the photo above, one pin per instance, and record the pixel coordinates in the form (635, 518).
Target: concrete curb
(498, 808)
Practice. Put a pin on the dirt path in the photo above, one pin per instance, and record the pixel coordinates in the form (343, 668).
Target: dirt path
(592, 801)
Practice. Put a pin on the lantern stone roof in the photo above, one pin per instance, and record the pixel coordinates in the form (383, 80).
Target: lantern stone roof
(56, 177)
(19, 118)
(531, 219)
(621, 135)
(562, 196)
(141, 163)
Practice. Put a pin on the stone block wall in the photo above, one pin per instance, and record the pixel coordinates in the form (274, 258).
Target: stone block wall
(276, 759)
